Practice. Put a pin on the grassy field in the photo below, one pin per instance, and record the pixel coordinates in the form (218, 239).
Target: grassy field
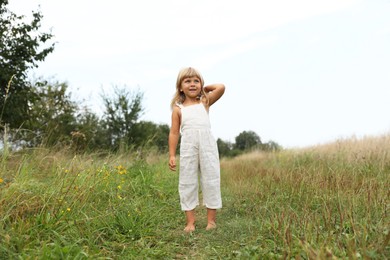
(325, 202)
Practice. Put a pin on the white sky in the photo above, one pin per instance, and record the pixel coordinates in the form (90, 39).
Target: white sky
(298, 72)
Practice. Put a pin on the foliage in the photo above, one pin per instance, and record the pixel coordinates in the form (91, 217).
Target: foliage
(271, 146)
(51, 115)
(55, 120)
(121, 114)
(328, 202)
(227, 149)
(247, 140)
(148, 134)
(22, 46)
(89, 134)
(120, 127)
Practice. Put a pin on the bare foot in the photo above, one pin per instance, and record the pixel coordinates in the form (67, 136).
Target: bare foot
(211, 225)
(189, 228)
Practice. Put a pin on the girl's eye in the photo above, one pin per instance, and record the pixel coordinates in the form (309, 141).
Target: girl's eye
(189, 81)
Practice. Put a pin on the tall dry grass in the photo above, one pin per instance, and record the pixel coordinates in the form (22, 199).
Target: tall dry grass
(327, 200)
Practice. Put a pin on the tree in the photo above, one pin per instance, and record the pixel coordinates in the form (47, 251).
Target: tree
(247, 140)
(161, 137)
(271, 146)
(51, 115)
(224, 148)
(89, 133)
(20, 50)
(148, 134)
(122, 112)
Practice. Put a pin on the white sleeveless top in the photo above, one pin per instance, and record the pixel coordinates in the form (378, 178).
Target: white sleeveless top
(194, 117)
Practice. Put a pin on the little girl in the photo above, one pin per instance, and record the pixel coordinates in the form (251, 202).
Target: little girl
(198, 149)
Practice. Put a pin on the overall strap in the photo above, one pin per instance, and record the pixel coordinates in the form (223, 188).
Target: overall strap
(179, 105)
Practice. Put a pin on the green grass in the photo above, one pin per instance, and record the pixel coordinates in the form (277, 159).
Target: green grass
(324, 202)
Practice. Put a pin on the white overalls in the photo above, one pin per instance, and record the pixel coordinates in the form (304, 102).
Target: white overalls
(198, 151)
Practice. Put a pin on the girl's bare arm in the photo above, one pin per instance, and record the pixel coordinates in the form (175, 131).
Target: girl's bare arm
(173, 139)
(214, 92)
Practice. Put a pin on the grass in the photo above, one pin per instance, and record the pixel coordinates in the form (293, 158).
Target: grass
(324, 202)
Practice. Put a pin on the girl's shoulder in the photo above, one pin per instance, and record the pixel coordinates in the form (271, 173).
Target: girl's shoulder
(176, 110)
(178, 105)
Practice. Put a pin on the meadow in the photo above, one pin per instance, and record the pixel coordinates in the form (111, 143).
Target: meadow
(323, 202)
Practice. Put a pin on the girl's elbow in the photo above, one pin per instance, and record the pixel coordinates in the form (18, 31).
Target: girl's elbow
(222, 88)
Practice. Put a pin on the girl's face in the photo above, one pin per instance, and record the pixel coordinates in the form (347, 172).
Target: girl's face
(191, 87)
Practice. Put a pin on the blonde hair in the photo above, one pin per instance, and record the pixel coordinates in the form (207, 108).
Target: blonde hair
(185, 73)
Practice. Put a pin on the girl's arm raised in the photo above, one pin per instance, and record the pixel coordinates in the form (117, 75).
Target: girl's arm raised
(214, 92)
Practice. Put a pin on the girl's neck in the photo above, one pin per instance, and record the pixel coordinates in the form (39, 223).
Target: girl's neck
(191, 101)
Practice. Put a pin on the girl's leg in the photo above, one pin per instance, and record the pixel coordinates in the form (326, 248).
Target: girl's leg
(188, 177)
(190, 215)
(211, 218)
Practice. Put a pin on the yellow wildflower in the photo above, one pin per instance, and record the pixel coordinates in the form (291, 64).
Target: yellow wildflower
(68, 209)
(121, 170)
(1, 180)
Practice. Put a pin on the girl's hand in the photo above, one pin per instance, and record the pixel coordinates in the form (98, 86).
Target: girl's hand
(172, 163)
